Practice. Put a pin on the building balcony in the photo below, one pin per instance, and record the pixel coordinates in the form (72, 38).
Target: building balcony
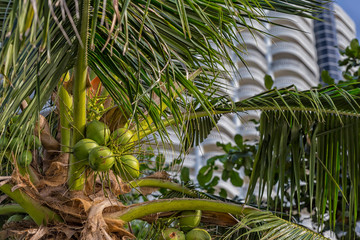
(254, 59)
(293, 21)
(254, 24)
(249, 132)
(249, 115)
(252, 76)
(249, 90)
(343, 42)
(281, 34)
(292, 68)
(299, 83)
(341, 15)
(345, 31)
(291, 50)
(253, 41)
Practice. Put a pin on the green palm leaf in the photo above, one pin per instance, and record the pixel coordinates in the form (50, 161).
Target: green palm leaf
(315, 130)
(266, 225)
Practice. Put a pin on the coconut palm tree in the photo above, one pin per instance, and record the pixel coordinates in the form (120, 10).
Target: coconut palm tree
(160, 64)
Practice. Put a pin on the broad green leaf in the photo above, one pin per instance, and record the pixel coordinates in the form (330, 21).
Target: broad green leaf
(185, 174)
(269, 82)
(354, 44)
(239, 140)
(205, 174)
(223, 193)
(235, 179)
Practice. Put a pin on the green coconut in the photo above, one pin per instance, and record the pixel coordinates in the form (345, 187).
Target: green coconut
(122, 136)
(172, 234)
(14, 119)
(189, 219)
(33, 141)
(14, 125)
(98, 131)
(198, 234)
(101, 159)
(83, 148)
(25, 159)
(27, 218)
(127, 167)
(15, 218)
(3, 142)
(16, 143)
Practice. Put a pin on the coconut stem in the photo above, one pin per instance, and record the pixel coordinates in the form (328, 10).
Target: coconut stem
(65, 103)
(30, 171)
(148, 182)
(40, 214)
(76, 178)
(11, 208)
(137, 211)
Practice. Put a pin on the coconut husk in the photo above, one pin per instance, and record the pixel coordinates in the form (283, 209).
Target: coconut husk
(69, 84)
(30, 231)
(42, 130)
(116, 187)
(96, 227)
(56, 173)
(218, 219)
(115, 118)
(81, 214)
(86, 217)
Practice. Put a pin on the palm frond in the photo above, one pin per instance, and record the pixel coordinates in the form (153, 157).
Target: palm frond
(333, 99)
(308, 137)
(266, 225)
(28, 71)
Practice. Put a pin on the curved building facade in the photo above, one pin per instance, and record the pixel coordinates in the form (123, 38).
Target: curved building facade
(345, 27)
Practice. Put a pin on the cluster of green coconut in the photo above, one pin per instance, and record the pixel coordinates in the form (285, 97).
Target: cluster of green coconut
(102, 150)
(10, 142)
(188, 221)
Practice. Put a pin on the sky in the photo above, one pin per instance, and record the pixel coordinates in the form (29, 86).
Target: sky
(352, 8)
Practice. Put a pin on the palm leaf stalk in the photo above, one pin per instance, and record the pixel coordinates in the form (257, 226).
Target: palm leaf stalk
(267, 223)
(65, 106)
(40, 214)
(159, 183)
(11, 208)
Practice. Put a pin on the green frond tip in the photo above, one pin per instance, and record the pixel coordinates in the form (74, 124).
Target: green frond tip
(269, 226)
(333, 99)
